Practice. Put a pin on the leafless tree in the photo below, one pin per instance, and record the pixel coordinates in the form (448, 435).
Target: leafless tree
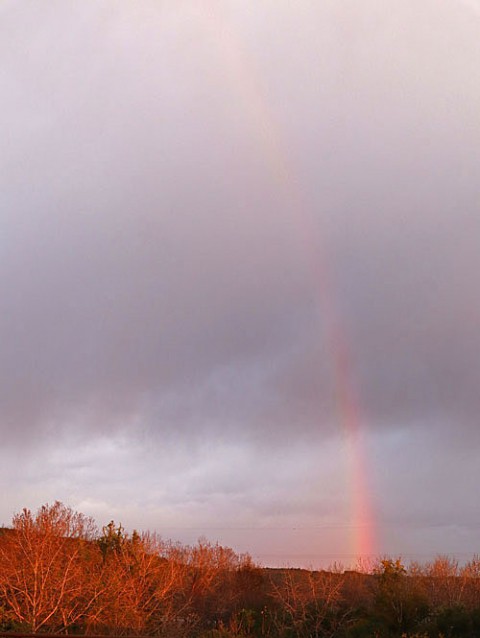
(42, 567)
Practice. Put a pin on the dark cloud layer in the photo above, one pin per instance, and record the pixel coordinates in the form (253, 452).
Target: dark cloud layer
(160, 275)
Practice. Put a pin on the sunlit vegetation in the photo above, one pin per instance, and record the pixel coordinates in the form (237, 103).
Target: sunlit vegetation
(60, 574)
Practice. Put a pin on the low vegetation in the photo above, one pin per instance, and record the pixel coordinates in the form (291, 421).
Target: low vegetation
(59, 574)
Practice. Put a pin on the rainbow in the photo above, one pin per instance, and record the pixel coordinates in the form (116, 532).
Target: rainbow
(246, 86)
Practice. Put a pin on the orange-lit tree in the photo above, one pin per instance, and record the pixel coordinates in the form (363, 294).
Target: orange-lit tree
(42, 568)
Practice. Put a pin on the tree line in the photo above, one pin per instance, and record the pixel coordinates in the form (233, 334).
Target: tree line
(60, 574)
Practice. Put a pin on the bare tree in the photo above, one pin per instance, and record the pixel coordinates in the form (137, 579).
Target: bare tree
(308, 602)
(445, 582)
(42, 564)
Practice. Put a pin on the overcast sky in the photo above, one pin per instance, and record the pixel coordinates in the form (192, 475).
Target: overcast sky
(200, 203)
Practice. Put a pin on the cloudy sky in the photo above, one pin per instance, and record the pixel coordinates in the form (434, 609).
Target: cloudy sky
(240, 250)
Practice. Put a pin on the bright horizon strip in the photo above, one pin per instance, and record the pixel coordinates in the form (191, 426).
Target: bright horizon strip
(247, 86)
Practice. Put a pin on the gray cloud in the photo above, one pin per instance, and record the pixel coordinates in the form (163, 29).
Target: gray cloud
(172, 177)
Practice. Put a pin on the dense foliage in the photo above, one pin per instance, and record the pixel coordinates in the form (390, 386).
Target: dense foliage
(58, 574)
